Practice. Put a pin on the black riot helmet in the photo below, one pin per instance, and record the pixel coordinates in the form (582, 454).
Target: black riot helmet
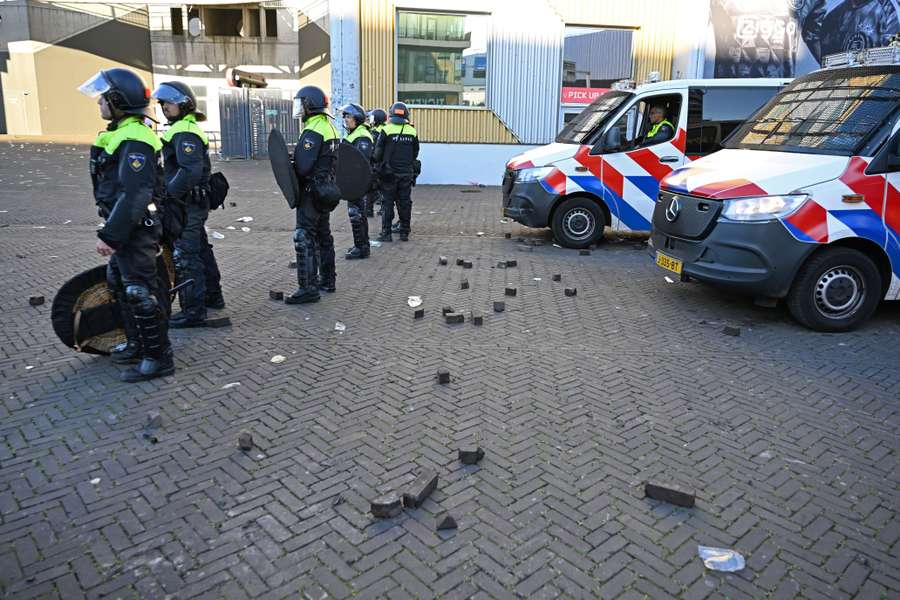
(377, 116)
(123, 89)
(399, 113)
(176, 92)
(356, 111)
(309, 101)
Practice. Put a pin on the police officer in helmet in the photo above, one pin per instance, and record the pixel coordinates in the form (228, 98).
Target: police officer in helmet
(358, 134)
(126, 179)
(314, 164)
(376, 121)
(396, 160)
(186, 170)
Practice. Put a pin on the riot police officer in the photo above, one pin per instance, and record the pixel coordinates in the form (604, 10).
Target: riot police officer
(186, 170)
(127, 178)
(396, 160)
(376, 120)
(314, 163)
(358, 134)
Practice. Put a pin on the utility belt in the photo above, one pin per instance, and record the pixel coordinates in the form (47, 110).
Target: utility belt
(198, 195)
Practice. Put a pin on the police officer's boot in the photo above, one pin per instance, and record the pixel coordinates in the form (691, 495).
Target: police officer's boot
(192, 297)
(385, 236)
(357, 252)
(327, 279)
(307, 282)
(158, 360)
(129, 351)
(395, 228)
(215, 300)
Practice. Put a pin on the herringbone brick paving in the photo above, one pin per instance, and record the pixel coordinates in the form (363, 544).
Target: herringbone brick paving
(788, 436)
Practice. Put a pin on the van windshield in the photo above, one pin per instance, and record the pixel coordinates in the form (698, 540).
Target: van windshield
(578, 129)
(832, 112)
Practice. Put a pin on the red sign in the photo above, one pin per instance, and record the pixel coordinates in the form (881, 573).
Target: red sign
(578, 95)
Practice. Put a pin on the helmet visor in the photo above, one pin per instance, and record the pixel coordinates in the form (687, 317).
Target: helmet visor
(298, 108)
(95, 86)
(168, 93)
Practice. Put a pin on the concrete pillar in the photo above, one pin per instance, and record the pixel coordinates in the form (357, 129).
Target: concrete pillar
(343, 19)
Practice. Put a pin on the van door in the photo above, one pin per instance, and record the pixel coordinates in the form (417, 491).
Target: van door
(892, 218)
(631, 176)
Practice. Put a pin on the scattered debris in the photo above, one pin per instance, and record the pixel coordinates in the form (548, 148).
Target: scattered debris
(95, 481)
(278, 359)
(454, 318)
(501, 264)
(504, 220)
(375, 243)
(420, 489)
(414, 301)
(669, 279)
(470, 455)
(499, 307)
(338, 500)
(446, 522)
(507, 235)
(460, 261)
(571, 291)
(443, 376)
(584, 252)
(512, 263)
(292, 265)
(245, 229)
(36, 300)
(511, 291)
(721, 559)
(536, 279)
(479, 233)
(340, 327)
(219, 322)
(732, 331)
(275, 295)
(231, 228)
(228, 386)
(245, 441)
(387, 506)
(218, 236)
(232, 204)
(154, 420)
(477, 319)
(244, 220)
(446, 310)
(419, 313)
(467, 264)
(669, 493)
(464, 284)
(442, 260)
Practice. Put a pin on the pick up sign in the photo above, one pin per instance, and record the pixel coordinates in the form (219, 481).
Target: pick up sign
(579, 95)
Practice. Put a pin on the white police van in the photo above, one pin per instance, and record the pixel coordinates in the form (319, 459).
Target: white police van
(603, 172)
(804, 201)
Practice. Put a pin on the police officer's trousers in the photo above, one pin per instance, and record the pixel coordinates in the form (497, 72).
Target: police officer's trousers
(359, 225)
(314, 246)
(190, 250)
(396, 191)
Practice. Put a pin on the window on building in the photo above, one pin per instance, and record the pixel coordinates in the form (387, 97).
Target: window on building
(224, 21)
(271, 22)
(176, 20)
(593, 58)
(251, 27)
(714, 112)
(441, 58)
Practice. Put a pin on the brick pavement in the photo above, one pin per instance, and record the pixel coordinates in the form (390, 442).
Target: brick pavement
(788, 436)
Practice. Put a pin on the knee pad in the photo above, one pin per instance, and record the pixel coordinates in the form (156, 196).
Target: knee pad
(301, 240)
(139, 297)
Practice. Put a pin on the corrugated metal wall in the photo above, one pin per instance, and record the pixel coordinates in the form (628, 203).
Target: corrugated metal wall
(524, 62)
(608, 51)
(525, 68)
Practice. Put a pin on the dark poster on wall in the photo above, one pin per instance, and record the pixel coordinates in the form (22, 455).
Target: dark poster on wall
(786, 38)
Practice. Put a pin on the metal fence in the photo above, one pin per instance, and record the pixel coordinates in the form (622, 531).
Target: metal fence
(247, 116)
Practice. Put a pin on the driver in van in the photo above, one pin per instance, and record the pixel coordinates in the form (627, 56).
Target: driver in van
(661, 130)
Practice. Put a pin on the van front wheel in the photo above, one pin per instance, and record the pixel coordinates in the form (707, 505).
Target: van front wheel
(835, 290)
(578, 223)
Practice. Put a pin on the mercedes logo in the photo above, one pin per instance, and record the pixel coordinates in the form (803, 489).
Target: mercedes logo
(673, 210)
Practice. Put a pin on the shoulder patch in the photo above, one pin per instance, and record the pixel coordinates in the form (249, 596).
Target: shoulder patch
(188, 147)
(136, 161)
(307, 145)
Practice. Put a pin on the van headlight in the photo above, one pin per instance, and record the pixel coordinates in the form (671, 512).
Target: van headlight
(533, 174)
(763, 208)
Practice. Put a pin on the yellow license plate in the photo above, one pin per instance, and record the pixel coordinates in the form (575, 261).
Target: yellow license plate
(667, 262)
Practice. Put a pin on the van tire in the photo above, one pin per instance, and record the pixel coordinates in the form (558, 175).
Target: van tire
(578, 223)
(836, 289)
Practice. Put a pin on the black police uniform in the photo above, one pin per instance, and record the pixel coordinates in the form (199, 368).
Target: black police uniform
(126, 178)
(356, 209)
(396, 154)
(186, 167)
(314, 163)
